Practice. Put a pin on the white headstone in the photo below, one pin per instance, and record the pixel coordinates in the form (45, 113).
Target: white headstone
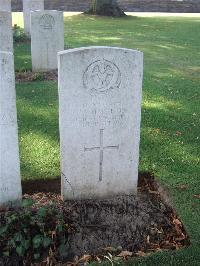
(28, 6)
(47, 39)
(10, 181)
(5, 5)
(100, 92)
(6, 34)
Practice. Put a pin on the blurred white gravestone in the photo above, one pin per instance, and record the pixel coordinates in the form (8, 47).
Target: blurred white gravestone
(100, 90)
(5, 5)
(28, 6)
(6, 34)
(10, 180)
(47, 39)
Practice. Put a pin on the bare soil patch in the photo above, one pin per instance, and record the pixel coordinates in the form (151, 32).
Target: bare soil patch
(29, 76)
(124, 226)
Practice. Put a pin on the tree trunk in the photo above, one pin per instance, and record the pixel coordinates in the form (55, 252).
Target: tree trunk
(106, 8)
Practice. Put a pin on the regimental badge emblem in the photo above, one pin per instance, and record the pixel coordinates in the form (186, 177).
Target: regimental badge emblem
(47, 22)
(101, 76)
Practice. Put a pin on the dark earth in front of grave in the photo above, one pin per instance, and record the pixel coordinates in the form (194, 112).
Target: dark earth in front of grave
(139, 224)
(29, 76)
(143, 222)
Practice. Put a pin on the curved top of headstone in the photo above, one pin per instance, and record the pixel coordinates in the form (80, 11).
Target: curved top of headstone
(81, 49)
(101, 74)
(46, 11)
(47, 19)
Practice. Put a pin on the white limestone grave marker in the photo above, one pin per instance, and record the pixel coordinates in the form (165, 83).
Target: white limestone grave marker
(47, 39)
(5, 5)
(28, 6)
(100, 90)
(10, 180)
(6, 34)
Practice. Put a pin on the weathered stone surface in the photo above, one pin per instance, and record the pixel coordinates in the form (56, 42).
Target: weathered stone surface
(5, 5)
(100, 105)
(10, 181)
(28, 6)
(6, 35)
(47, 39)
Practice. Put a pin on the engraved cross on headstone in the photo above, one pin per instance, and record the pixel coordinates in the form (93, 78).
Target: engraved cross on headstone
(101, 148)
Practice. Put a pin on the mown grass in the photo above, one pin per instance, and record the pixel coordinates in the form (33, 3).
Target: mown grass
(170, 111)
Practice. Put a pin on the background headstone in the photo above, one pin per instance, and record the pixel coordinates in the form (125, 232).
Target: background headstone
(28, 6)
(5, 5)
(6, 34)
(47, 39)
(10, 180)
(100, 91)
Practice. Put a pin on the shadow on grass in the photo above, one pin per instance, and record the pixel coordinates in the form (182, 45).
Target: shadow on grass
(161, 39)
(39, 132)
(37, 105)
(170, 115)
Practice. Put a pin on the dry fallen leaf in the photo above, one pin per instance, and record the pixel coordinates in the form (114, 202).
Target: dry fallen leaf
(180, 238)
(168, 245)
(140, 254)
(197, 196)
(153, 192)
(178, 133)
(177, 222)
(182, 187)
(97, 259)
(85, 258)
(154, 246)
(110, 249)
(125, 253)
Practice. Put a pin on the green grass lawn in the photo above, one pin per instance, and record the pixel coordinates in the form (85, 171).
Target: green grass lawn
(170, 110)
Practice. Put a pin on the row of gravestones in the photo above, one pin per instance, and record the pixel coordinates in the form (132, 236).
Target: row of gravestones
(100, 92)
(45, 27)
(28, 6)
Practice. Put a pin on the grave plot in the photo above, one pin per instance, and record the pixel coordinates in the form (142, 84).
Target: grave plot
(103, 209)
(123, 226)
(111, 226)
